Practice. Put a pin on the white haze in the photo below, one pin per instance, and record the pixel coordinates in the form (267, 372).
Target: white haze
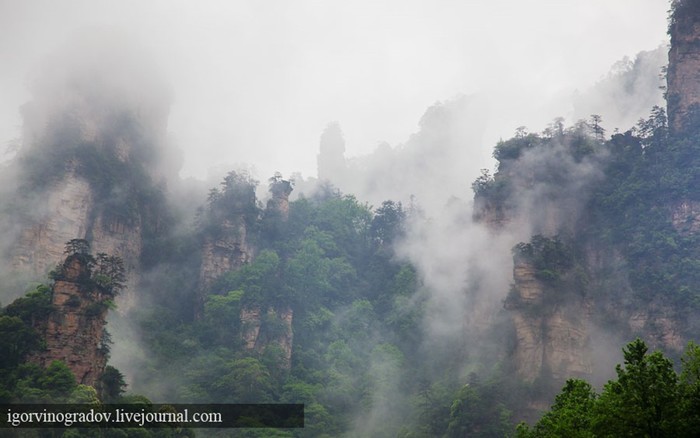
(256, 82)
(438, 81)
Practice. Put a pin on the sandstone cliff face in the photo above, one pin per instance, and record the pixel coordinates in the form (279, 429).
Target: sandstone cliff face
(91, 136)
(113, 236)
(490, 213)
(660, 326)
(552, 337)
(274, 327)
(685, 216)
(67, 215)
(279, 203)
(683, 76)
(74, 331)
(226, 252)
(71, 212)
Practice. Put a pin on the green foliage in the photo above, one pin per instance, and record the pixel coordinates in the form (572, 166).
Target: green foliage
(104, 271)
(357, 328)
(259, 281)
(571, 414)
(77, 246)
(488, 187)
(112, 385)
(313, 278)
(512, 149)
(470, 416)
(642, 401)
(17, 339)
(647, 399)
(109, 272)
(388, 223)
(58, 379)
(549, 256)
(33, 307)
(56, 383)
(235, 198)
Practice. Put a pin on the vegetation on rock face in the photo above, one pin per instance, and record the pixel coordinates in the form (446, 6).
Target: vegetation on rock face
(358, 340)
(629, 246)
(357, 329)
(607, 228)
(102, 271)
(21, 324)
(646, 174)
(235, 199)
(359, 346)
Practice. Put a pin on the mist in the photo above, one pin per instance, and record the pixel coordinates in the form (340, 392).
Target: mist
(256, 85)
(399, 101)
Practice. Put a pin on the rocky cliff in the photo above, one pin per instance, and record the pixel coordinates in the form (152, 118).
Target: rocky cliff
(227, 247)
(72, 211)
(66, 216)
(260, 330)
(226, 251)
(551, 324)
(278, 204)
(685, 216)
(89, 159)
(75, 330)
(683, 74)
(633, 237)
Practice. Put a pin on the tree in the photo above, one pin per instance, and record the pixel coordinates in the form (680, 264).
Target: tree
(646, 400)
(570, 415)
(643, 399)
(557, 126)
(58, 380)
(248, 381)
(77, 246)
(598, 130)
(109, 272)
(35, 306)
(259, 280)
(388, 222)
(16, 340)
(112, 384)
(690, 387)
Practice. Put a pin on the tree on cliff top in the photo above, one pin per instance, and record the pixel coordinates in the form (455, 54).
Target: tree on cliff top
(104, 271)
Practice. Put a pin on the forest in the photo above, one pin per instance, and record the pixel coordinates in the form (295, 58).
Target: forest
(361, 361)
(556, 298)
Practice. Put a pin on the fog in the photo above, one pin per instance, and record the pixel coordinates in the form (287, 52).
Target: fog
(391, 100)
(257, 83)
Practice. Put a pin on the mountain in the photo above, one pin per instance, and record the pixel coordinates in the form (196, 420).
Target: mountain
(426, 313)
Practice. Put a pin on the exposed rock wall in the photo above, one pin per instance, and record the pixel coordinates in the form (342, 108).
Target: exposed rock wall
(683, 75)
(71, 212)
(227, 251)
(685, 217)
(91, 137)
(260, 330)
(66, 216)
(660, 325)
(74, 330)
(279, 202)
(552, 337)
(113, 236)
(490, 213)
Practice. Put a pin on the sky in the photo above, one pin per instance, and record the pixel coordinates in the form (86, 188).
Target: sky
(254, 83)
